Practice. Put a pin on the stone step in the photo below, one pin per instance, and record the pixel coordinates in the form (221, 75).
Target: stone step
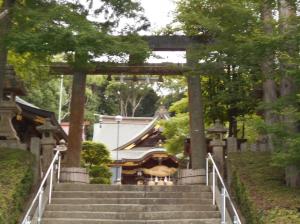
(101, 187)
(129, 194)
(129, 207)
(142, 201)
(131, 204)
(133, 215)
(101, 221)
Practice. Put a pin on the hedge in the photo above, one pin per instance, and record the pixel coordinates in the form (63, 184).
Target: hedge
(260, 191)
(16, 177)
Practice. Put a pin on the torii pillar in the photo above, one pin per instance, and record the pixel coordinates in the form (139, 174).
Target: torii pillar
(197, 134)
(76, 119)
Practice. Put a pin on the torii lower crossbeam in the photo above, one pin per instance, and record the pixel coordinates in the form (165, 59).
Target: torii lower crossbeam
(114, 69)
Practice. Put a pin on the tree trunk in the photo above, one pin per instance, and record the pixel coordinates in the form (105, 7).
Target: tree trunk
(4, 30)
(135, 107)
(292, 176)
(267, 69)
(287, 10)
(197, 135)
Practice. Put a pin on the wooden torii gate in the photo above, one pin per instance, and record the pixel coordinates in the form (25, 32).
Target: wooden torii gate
(156, 43)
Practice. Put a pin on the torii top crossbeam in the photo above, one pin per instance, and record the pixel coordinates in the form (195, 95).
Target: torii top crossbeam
(156, 43)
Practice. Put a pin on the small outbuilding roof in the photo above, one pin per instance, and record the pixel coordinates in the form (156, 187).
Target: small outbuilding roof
(38, 116)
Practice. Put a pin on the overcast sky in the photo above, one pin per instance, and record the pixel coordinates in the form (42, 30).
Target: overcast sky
(161, 13)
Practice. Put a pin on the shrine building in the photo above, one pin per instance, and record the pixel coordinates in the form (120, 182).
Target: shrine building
(136, 147)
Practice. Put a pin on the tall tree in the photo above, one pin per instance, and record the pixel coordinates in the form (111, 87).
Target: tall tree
(5, 24)
(130, 95)
(288, 85)
(267, 69)
(287, 13)
(52, 28)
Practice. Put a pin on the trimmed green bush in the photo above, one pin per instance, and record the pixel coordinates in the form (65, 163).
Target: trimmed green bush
(260, 191)
(242, 198)
(16, 177)
(96, 158)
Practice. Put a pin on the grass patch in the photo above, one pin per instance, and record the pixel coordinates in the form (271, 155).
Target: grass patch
(260, 189)
(16, 176)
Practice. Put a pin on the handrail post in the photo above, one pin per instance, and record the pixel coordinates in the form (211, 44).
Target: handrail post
(51, 184)
(37, 202)
(40, 205)
(223, 212)
(224, 194)
(214, 186)
(235, 220)
(27, 221)
(58, 171)
(207, 159)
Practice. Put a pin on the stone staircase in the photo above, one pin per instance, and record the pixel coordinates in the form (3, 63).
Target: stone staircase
(112, 204)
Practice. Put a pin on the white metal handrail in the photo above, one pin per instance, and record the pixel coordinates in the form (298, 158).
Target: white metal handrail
(224, 193)
(39, 195)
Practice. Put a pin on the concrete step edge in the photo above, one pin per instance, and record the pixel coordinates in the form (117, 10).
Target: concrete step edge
(134, 220)
(156, 212)
(199, 199)
(132, 192)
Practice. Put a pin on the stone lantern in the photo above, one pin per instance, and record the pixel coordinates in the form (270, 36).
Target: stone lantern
(9, 109)
(218, 131)
(48, 142)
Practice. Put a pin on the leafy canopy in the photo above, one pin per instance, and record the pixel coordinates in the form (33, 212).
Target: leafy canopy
(52, 28)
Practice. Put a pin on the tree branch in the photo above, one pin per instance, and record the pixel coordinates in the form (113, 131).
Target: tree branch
(3, 14)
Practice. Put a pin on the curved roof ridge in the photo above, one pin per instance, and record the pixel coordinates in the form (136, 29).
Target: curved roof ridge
(24, 102)
(140, 154)
(156, 149)
(150, 126)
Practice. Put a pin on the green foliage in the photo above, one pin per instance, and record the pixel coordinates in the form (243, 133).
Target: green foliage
(242, 198)
(32, 70)
(61, 30)
(260, 191)
(286, 138)
(96, 158)
(228, 79)
(175, 87)
(52, 28)
(282, 216)
(255, 127)
(95, 153)
(180, 106)
(287, 147)
(45, 96)
(149, 104)
(16, 177)
(176, 130)
(100, 175)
